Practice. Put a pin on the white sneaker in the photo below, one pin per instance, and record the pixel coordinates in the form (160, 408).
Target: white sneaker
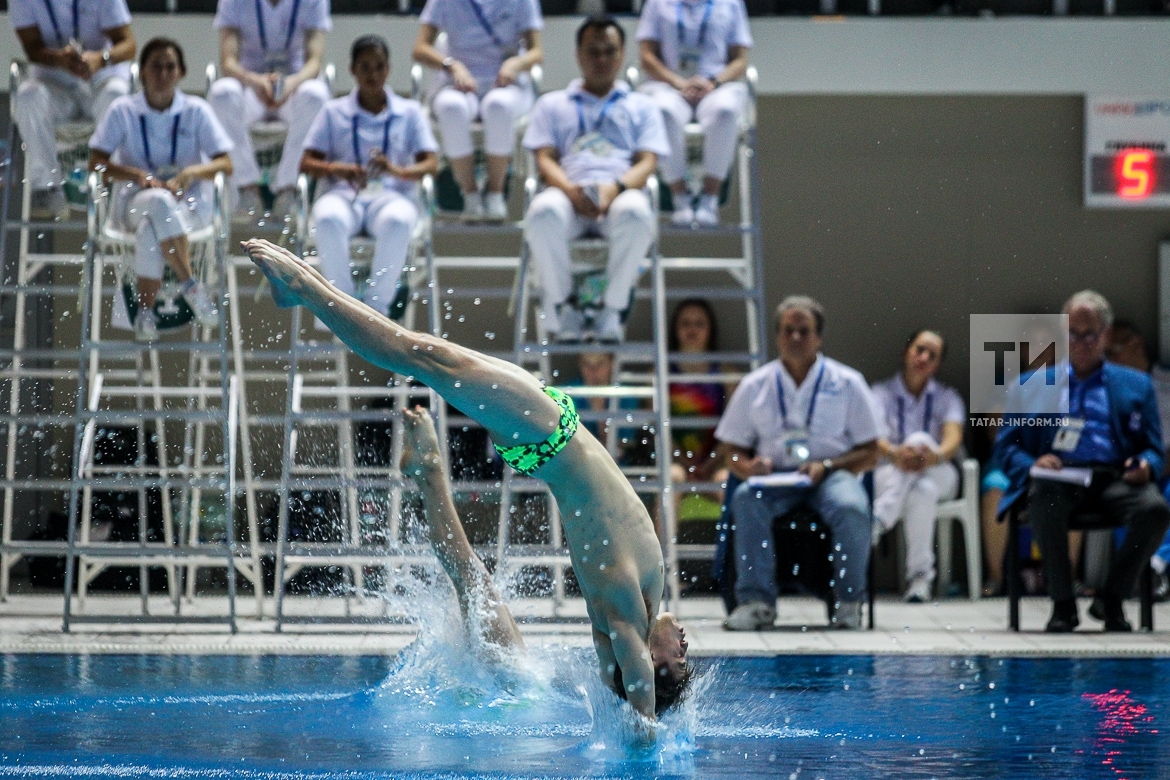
(282, 207)
(707, 212)
(472, 205)
(145, 325)
(195, 294)
(495, 207)
(918, 592)
(570, 325)
(751, 616)
(684, 215)
(248, 204)
(847, 616)
(609, 328)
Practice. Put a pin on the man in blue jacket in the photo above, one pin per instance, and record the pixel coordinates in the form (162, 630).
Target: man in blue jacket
(1113, 429)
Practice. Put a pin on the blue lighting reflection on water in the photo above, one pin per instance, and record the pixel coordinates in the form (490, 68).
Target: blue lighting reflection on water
(432, 714)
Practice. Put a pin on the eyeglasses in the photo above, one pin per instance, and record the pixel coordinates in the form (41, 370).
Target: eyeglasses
(1085, 337)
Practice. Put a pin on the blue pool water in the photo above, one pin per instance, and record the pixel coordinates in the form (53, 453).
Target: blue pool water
(788, 717)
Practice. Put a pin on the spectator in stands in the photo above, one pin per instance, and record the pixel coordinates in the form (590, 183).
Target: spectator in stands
(1114, 430)
(924, 422)
(369, 149)
(811, 414)
(490, 48)
(596, 369)
(596, 144)
(693, 328)
(164, 146)
(695, 53)
(270, 56)
(1128, 348)
(80, 55)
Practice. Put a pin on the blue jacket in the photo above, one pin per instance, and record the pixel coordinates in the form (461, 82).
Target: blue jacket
(1134, 413)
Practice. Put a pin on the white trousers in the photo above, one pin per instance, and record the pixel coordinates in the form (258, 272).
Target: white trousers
(155, 215)
(238, 108)
(388, 217)
(499, 109)
(913, 498)
(719, 115)
(40, 106)
(551, 223)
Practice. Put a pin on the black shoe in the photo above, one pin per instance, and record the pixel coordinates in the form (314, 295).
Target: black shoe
(1064, 617)
(1108, 610)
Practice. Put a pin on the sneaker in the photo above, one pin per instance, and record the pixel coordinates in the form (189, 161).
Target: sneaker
(1161, 587)
(49, 204)
(751, 616)
(248, 204)
(495, 207)
(609, 328)
(195, 294)
(1110, 612)
(1064, 617)
(282, 207)
(684, 215)
(146, 325)
(570, 324)
(472, 205)
(876, 531)
(707, 212)
(919, 591)
(847, 616)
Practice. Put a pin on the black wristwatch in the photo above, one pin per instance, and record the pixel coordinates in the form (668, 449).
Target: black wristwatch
(717, 82)
(621, 185)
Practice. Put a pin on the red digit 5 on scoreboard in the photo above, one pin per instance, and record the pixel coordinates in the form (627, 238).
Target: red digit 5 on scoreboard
(1135, 173)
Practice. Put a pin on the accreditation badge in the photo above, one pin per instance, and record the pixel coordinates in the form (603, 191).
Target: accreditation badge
(277, 62)
(688, 61)
(592, 143)
(796, 445)
(1069, 435)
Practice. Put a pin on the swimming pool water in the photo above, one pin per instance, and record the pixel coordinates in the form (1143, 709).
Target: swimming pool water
(787, 717)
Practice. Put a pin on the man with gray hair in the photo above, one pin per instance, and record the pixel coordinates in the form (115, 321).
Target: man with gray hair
(799, 431)
(1113, 429)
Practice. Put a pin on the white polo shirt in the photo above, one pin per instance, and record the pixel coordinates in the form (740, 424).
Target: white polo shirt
(483, 33)
(185, 133)
(61, 21)
(345, 132)
(903, 414)
(619, 124)
(272, 38)
(695, 33)
(843, 414)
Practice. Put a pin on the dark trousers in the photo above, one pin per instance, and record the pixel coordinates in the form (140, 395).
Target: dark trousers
(1140, 507)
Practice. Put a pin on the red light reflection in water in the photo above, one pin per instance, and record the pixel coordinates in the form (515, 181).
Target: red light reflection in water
(1121, 717)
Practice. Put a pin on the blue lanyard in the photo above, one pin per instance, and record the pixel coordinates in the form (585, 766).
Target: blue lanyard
(357, 153)
(902, 416)
(481, 15)
(146, 139)
(812, 404)
(292, 24)
(57, 27)
(682, 35)
(609, 103)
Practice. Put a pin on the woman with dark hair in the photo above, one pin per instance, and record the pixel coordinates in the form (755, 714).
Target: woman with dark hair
(369, 149)
(164, 146)
(924, 423)
(693, 328)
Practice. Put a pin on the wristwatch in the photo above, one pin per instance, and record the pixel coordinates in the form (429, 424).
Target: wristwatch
(621, 185)
(448, 62)
(827, 465)
(105, 57)
(717, 82)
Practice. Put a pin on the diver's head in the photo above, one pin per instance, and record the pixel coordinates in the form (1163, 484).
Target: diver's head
(672, 672)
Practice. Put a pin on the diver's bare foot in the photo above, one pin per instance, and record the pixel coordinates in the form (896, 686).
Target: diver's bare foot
(420, 443)
(285, 271)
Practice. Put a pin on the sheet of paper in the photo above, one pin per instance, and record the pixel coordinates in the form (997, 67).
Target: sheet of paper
(780, 479)
(1073, 476)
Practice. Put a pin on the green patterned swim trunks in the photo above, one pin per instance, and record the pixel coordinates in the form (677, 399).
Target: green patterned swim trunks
(527, 458)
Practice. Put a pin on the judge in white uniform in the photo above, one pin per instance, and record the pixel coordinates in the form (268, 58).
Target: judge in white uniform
(695, 53)
(271, 53)
(160, 148)
(369, 149)
(924, 429)
(80, 54)
(491, 46)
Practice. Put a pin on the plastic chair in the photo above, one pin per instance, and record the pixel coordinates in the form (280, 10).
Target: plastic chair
(964, 510)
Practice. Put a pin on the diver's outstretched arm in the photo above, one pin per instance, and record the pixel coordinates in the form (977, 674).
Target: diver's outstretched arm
(500, 396)
(479, 601)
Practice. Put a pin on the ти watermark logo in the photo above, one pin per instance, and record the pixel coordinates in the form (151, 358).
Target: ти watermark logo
(1019, 364)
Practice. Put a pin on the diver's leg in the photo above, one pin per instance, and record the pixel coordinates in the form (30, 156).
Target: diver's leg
(506, 400)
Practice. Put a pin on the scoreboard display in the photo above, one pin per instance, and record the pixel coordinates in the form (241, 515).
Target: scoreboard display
(1127, 152)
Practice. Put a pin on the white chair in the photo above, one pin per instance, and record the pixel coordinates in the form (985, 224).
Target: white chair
(964, 510)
